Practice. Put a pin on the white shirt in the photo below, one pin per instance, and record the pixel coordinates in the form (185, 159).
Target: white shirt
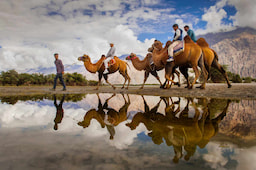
(177, 34)
(111, 52)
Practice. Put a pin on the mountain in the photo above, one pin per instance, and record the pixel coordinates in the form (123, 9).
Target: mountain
(236, 48)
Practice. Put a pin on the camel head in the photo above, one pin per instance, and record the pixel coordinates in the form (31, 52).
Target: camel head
(158, 45)
(84, 58)
(131, 56)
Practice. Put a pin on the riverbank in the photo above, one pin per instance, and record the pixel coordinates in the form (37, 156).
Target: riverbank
(238, 91)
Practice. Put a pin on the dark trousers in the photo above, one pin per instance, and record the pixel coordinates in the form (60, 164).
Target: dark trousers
(59, 75)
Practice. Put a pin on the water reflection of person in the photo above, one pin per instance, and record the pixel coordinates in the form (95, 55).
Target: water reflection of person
(59, 112)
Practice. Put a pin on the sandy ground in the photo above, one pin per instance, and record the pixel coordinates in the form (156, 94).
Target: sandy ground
(237, 91)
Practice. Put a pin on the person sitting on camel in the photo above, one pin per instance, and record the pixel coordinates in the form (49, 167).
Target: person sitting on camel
(176, 40)
(190, 33)
(110, 55)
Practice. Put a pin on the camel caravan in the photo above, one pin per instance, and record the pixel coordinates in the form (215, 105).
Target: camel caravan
(180, 53)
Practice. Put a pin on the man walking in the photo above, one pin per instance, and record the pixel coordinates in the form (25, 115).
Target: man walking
(190, 33)
(60, 72)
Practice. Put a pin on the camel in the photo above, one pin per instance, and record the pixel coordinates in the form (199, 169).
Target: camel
(190, 57)
(145, 65)
(99, 67)
(211, 59)
(106, 116)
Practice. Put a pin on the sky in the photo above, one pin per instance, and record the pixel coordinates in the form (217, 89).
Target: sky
(32, 31)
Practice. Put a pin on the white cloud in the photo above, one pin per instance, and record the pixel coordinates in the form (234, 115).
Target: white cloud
(32, 32)
(214, 17)
(246, 12)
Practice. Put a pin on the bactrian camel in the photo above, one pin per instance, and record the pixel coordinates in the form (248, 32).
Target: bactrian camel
(145, 65)
(99, 67)
(192, 56)
(211, 59)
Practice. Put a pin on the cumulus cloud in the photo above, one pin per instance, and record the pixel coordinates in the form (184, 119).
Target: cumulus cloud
(215, 15)
(33, 30)
(245, 12)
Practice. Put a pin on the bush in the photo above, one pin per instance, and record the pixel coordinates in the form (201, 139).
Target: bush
(92, 83)
(247, 80)
(236, 79)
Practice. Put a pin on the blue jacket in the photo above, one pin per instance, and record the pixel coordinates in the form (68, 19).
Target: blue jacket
(192, 35)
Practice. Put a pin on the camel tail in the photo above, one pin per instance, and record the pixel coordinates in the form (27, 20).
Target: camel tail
(215, 55)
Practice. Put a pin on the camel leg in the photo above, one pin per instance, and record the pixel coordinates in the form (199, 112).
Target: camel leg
(146, 74)
(154, 73)
(216, 65)
(129, 80)
(106, 79)
(169, 68)
(100, 77)
(203, 70)
(163, 86)
(178, 74)
(126, 77)
(196, 76)
(184, 71)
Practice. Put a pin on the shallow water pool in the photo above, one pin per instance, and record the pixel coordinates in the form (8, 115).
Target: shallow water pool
(115, 131)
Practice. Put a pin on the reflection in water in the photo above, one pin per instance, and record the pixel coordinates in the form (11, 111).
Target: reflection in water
(59, 111)
(177, 128)
(107, 116)
(190, 132)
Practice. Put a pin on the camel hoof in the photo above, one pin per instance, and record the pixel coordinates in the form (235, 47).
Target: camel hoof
(161, 87)
(186, 87)
(202, 87)
(126, 88)
(229, 86)
(190, 87)
(177, 83)
(114, 87)
(142, 87)
(122, 87)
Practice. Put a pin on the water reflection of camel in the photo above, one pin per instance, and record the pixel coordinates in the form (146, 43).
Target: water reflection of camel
(107, 116)
(59, 112)
(178, 128)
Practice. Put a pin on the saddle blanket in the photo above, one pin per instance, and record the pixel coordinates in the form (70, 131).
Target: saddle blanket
(178, 48)
(111, 62)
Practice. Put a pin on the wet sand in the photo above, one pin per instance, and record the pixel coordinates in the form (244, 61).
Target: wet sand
(237, 91)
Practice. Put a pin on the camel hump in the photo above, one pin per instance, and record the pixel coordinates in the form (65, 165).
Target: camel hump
(202, 42)
(187, 39)
(149, 55)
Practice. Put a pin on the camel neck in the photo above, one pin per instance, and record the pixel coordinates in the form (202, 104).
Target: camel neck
(138, 64)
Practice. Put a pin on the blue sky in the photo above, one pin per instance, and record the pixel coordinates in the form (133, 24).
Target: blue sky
(32, 31)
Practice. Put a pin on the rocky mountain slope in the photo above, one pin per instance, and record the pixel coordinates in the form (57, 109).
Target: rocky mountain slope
(237, 49)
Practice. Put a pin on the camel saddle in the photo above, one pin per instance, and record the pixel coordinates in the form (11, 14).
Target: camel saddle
(111, 62)
(178, 48)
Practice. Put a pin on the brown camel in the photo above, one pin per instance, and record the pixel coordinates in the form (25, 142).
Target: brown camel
(106, 116)
(99, 67)
(211, 59)
(145, 65)
(192, 56)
